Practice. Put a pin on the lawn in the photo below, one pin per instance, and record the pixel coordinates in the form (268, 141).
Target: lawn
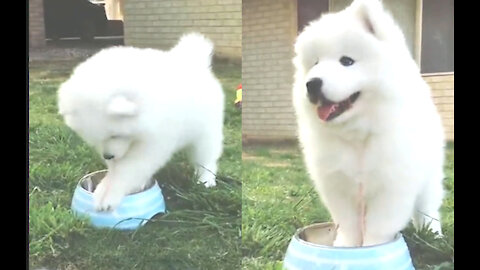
(219, 228)
(278, 198)
(201, 230)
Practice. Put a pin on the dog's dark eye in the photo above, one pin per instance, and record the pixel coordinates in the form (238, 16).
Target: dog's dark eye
(346, 61)
(316, 63)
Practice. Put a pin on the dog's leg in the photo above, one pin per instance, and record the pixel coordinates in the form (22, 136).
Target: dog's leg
(347, 235)
(343, 208)
(121, 180)
(128, 174)
(426, 209)
(205, 154)
(346, 217)
(387, 214)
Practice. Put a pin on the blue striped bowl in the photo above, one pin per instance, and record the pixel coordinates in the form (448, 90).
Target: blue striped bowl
(318, 253)
(133, 211)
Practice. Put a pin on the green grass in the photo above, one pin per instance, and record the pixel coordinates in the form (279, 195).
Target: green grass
(278, 198)
(201, 231)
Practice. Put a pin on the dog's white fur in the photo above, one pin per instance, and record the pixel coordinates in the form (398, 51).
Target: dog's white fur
(142, 106)
(391, 141)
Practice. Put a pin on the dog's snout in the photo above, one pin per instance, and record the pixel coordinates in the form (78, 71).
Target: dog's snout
(108, 156)
(314, 89)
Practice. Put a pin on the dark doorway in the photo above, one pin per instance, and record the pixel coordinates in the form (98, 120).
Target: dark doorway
(309, 10)
(70, 21)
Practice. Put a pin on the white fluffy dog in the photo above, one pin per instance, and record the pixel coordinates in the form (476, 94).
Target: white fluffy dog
(138, 107)
(372, 138)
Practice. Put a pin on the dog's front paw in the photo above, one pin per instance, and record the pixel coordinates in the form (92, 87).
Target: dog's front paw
(436, 228)
(208, 180)
(340, 242)
(107, 198)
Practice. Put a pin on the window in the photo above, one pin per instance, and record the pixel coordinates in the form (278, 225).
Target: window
(437, 36)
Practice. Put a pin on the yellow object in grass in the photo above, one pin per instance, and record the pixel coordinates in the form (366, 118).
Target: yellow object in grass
(239, 94)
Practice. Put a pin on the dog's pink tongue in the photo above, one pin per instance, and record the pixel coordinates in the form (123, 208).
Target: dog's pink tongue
(326, 110)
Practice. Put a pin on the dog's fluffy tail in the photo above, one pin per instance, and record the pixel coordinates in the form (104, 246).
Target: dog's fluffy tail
(195, 48)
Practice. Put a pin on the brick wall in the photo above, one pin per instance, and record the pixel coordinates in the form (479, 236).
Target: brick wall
(159, 24)
(36, 26)
(442, 91)
(269, 31)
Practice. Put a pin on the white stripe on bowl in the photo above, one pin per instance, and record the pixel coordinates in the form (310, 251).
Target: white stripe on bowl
(81, 203)
(407, 265)
(151, 196)
(125, 216)
(299, 255)
(148, 211)
(289, 266)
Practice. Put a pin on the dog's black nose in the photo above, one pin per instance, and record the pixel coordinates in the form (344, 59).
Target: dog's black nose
(108, 156)
(314, 89)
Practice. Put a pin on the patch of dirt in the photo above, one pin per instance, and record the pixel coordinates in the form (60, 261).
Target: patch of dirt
(276, 164)
(264, 161)
(53, 53)
(285, 150)
(246, 156)
(70, 49)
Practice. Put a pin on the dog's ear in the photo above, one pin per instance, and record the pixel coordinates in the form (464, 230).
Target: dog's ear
(367, 12)
(121, 106)
(373, 17)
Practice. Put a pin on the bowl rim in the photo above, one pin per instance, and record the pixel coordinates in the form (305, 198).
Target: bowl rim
(79, 183)
(296, 236)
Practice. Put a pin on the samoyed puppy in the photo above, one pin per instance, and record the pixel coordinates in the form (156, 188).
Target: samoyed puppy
(138, 107)
(372, 139)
